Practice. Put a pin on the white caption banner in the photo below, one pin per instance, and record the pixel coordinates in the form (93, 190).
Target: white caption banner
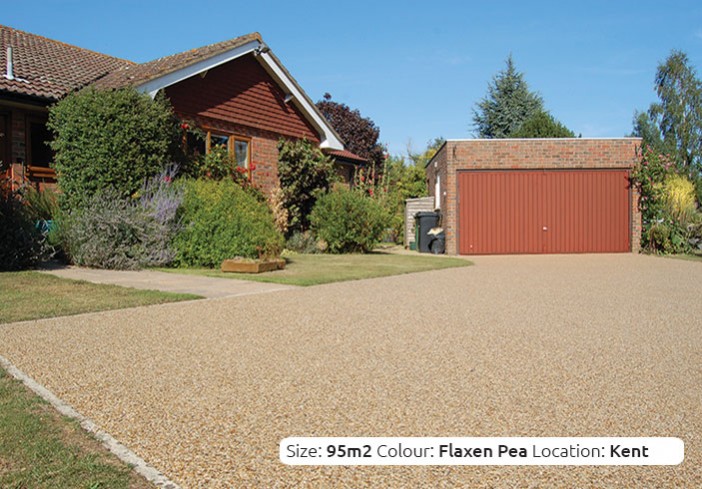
(481, 451)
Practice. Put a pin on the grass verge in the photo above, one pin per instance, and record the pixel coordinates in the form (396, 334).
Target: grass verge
(321, 269)
(34, 295)
(39, 448)
(691, 257)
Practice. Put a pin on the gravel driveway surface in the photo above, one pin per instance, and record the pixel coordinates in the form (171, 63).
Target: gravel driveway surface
(579, 345)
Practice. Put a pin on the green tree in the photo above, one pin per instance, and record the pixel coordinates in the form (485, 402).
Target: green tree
(402, 179)
(508, 103)
(113, 139)
(673, 125)
(420, 160)
(305, 173)
(542, 125)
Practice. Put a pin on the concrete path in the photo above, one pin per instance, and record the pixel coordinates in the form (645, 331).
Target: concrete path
(580, 345)
(209, 287)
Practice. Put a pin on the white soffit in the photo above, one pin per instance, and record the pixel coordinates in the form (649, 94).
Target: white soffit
(327, 135)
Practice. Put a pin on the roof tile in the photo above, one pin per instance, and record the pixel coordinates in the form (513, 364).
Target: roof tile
(50, 69)
(134, 75)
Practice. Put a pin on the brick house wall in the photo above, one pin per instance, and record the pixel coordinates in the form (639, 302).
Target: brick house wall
(240, 99)
(524, 154)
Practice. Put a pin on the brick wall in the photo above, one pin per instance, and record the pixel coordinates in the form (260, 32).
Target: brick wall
(264, 149)
(505, 154)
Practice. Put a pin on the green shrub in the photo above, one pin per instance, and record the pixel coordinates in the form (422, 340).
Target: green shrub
(302, 242)
(659, 239)
(305, 173)
(671, 222)
(109, 139)
(679, 198)
(22, 244)
(221, 221)
(348, 221)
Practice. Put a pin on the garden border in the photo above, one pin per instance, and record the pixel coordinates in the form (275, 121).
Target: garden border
(136, 463)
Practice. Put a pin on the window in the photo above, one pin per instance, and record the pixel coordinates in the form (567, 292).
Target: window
(237, 146)
(215, 140)
(241, 152)
(39, 137)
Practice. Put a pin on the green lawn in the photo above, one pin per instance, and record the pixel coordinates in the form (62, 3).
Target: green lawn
(34, 295)
(693, 257)
(321, 268)
(39, 448)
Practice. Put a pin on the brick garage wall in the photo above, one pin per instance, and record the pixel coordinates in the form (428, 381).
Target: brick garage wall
(524, 154)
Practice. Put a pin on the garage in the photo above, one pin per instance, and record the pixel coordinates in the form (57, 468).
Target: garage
(516, 196)
(543, 211)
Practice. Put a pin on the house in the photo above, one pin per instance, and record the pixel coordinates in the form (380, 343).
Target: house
(511, 196)
(237, 92)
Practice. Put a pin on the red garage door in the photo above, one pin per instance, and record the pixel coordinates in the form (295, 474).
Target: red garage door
(543, 211)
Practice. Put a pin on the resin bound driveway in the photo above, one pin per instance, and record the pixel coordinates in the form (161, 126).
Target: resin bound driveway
(579, 345)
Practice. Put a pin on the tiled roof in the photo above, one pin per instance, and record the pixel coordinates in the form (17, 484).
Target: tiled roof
(50, 69)
(346, 155)
(134, 75)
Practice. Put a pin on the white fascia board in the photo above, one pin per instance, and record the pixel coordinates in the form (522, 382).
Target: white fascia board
(152, 87)
(329, 139)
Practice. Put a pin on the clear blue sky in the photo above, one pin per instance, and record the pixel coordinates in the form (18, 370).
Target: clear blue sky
(415, 67)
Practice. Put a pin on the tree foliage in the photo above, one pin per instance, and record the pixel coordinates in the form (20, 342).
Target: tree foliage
(542, 125)
(109, 139)
(359, 134)
(420, 160)
(673, 125)
(508, 104)
(305, 173)
(401, 179)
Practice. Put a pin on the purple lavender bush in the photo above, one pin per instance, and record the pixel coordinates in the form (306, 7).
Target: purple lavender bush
(125, 234)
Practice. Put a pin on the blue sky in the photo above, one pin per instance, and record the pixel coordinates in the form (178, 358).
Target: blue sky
(415, 68)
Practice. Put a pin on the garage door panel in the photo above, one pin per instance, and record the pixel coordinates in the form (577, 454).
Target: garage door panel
(540, 211)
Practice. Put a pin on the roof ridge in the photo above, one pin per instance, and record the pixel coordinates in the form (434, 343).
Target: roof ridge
(254, 35)
(67, 44)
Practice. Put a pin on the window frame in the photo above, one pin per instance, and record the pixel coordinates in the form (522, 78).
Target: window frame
(231, 142)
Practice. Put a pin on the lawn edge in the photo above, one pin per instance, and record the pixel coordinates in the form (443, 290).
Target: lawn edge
(135, 462)
(238, 276)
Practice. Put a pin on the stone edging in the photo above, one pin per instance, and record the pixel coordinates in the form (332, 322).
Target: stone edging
(138, 464)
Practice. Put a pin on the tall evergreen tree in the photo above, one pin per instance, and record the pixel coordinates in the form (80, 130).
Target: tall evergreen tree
(508, 103)
(542, 125)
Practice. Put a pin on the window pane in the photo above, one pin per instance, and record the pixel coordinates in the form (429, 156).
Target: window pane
(218, 140)
(39, 137)
(241, 152)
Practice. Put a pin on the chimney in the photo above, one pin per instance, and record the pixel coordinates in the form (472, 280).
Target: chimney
(9, 74)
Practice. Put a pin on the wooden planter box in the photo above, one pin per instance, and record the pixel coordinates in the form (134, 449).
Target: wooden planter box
(252, 266)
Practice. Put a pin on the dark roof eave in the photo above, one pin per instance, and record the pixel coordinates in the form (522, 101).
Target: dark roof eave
(24, 98)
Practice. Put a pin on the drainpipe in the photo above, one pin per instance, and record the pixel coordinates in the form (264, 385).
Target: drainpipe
(9, 74)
